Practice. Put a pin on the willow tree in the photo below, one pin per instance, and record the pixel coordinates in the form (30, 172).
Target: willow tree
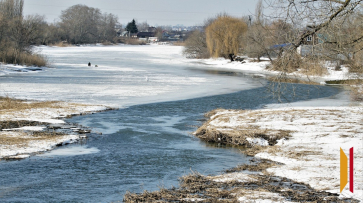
(224, 36)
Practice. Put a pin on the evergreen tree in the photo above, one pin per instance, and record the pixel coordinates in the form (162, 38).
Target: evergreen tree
(131, 27)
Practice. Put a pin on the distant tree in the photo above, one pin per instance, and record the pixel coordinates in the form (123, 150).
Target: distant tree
(83, 24)
(12, 9)
(262, 35)
(224, 36)
(106, 28)
(159, 33)
(143, 27)
(131, 27)
(17, 33)
(196, 45)
(80, 23)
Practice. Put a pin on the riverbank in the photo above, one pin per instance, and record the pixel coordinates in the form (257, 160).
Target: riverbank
(306, 141)
(297, 157)
(31, 127)
(296, 149)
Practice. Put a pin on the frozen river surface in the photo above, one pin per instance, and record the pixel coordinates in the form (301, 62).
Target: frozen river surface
(144, 145)
(126, 75)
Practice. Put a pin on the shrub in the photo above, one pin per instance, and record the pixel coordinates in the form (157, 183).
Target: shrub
(196, 46)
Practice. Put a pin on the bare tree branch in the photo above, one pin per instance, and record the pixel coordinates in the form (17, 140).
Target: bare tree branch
(322, 25)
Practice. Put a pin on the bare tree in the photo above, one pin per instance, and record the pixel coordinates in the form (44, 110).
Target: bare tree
(11, 9)
(83, 24)
(196, 45)
(258, 39)
(330, 29)
(106, 28)
(18, 33)
(322, 14)
(80, 23)
(143, 26)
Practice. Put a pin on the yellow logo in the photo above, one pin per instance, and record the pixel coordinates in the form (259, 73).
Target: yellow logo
(344, 170)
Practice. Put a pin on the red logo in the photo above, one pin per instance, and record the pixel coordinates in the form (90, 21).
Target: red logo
(344, 170)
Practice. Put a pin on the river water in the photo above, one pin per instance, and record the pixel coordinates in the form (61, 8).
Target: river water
(144, 145)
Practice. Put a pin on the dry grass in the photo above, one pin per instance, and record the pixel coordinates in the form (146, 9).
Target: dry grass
(179, 44)
(209, 114)
(19, 139)
(17, 124)
(22, 139)
(303, 154)
(61, 44)
(33, 60)
(238, 136)
(312, 68)
(23, 58)
(291, 62)
(287, 63)
(107, 43)
(134, 42)
(8, 104)
(203, 189)
(255, 165)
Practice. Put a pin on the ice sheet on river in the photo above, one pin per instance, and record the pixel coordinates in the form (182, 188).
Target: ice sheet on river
(125, 75)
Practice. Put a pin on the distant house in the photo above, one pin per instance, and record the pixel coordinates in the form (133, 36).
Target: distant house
(310, 39)
(309, 43)
(124, 34)
(145, 34)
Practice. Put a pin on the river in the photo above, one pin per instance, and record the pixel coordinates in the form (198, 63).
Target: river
(147, 143)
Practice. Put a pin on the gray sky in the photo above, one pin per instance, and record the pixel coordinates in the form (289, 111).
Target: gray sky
(155, 12)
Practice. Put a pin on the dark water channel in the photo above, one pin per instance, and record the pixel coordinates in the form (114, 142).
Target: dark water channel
(142, 147)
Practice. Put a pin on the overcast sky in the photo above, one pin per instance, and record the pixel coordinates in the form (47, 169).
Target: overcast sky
(155, 12)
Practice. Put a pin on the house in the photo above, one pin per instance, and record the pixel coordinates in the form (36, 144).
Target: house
(124, 34)
(145, 34)
(310, 43)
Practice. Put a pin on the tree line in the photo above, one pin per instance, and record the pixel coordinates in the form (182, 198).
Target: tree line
(78, 24)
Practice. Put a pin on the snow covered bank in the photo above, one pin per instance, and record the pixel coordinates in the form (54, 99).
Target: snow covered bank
(312, 154)
(31, 120)
(259, 69)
